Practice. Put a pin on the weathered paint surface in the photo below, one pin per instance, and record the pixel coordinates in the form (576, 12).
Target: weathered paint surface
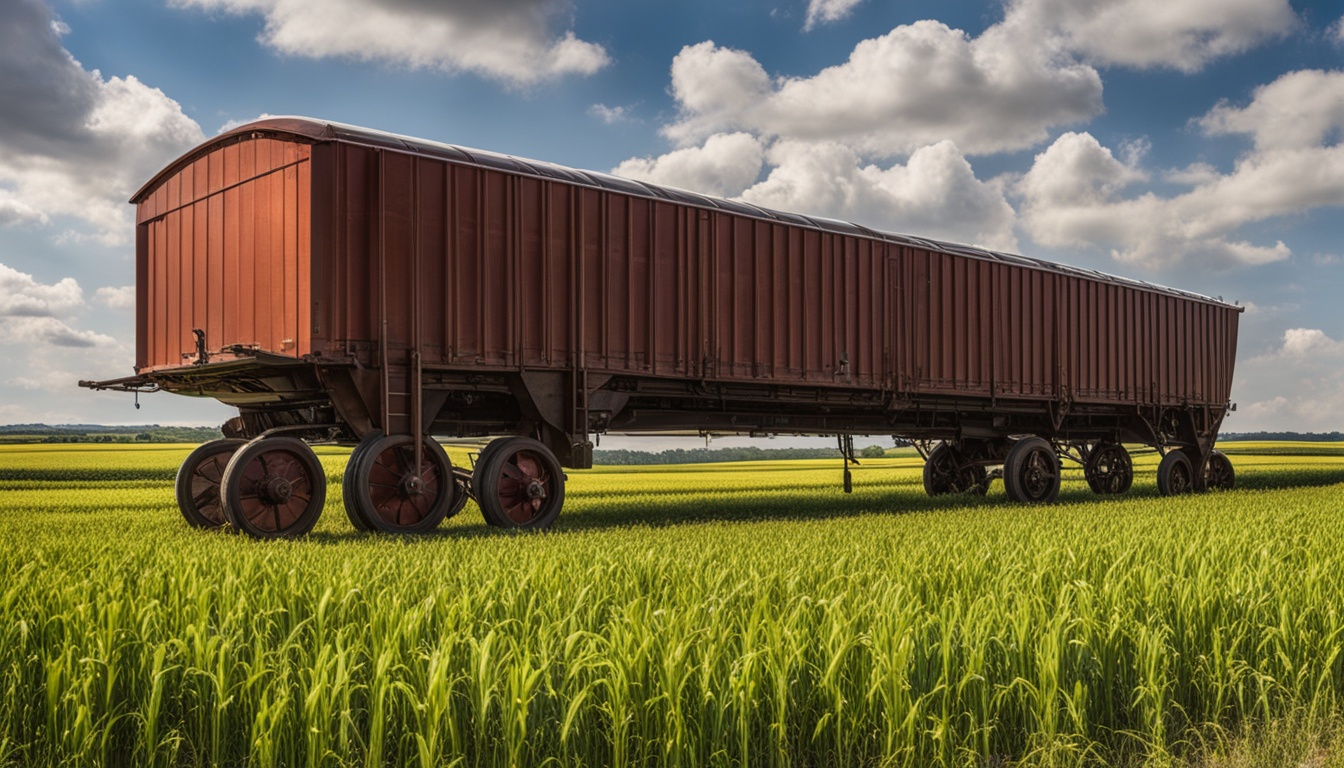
(224, 246)
(310, 238)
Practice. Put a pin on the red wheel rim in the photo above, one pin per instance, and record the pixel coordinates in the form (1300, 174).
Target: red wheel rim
(205, 479)
(274, 490)
(400, 495)
(1039, 474)
(524, 486)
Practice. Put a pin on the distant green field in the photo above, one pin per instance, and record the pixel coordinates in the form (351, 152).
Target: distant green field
(727, 614)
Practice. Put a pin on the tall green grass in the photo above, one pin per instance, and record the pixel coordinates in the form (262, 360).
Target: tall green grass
(687, 616)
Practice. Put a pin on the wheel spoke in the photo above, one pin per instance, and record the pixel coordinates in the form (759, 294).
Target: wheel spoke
(513, 471)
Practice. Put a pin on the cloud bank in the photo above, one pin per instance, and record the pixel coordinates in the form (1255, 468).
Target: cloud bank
(82, 143)
(516, 41)
(1074, 194)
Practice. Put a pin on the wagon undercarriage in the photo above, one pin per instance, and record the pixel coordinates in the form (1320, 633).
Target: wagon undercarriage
(264, 479)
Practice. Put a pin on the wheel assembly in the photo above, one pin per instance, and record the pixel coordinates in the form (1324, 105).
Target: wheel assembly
(198, 482)
(1031, 471)
(1108, 469)
(352, 509)
(518, 484)
(387, 491)
(273, 487)
(1175, 475)
(1218, 474)
(946, 471)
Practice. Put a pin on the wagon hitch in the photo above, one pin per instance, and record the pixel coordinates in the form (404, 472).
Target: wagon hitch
(137, 384)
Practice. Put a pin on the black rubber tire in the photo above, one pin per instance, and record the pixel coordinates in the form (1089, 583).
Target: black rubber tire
(377, 485)
(352, 509)
(481, 458)
(198, 479)
(513, 469)
(939, 471)
(248, 500)
(1109, 469)
(1175, 475)
(1031, 472)
(1218, 473)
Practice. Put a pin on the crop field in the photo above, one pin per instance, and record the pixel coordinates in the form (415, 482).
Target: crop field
(730, 614)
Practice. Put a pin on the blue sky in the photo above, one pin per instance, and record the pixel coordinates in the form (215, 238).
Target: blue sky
(1194, 143)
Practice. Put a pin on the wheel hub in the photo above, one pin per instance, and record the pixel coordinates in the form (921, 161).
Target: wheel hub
(412, 485)
(535, 490)
(278, 490)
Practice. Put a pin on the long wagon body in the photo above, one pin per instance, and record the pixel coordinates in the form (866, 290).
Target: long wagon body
(340, 284)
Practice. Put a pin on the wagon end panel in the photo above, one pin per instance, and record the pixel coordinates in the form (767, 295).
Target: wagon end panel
(223, 248)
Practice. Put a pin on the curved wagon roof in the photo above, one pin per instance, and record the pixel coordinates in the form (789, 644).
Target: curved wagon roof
(319, 131)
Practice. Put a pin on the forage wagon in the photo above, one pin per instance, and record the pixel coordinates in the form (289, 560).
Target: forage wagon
(337, 284)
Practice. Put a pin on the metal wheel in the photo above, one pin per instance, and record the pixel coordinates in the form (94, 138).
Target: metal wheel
(274, 487)
(353, 510)
(1175, 475)
(1218, 475)
(198, 482)
(1109, 469)
(1031, 472)
(390, 493)
(946, 472)
(519, 484)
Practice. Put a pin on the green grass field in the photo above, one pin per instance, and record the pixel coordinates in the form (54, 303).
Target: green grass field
(728, 614)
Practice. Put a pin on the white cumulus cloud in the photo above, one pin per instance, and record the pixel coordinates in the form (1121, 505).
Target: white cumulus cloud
(516, 41)
(1303, 343)
(1074, 194)
(1178, 34)
(827, 11)
(1300, 110)
(917, 85)
(82, 143)
(116, 297)
(23, 296)
(1297, 385)
(32, 313)
(724, 166)
(609, 115)
(935, 194)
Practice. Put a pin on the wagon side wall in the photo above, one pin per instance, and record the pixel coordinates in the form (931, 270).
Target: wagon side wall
(223, 245)
(984, 328)
(489, 269)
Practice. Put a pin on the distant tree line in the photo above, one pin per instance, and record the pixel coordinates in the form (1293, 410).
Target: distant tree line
(712, 455)
(1307, 437)
(98, 433)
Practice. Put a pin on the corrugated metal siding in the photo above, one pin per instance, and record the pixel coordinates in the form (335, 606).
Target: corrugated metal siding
(294, 247)
(968, 326)
(224, 245)
(520, 271)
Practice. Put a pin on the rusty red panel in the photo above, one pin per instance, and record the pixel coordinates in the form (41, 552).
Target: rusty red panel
(230, 290)
(229, 166)
(245, 320)
(201, 178)
(215, 262)
(219, 248)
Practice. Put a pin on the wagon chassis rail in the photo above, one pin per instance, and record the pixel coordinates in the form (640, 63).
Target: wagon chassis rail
(137, 384)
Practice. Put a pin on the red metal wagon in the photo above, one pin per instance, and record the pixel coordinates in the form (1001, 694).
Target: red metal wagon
(337, 284)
